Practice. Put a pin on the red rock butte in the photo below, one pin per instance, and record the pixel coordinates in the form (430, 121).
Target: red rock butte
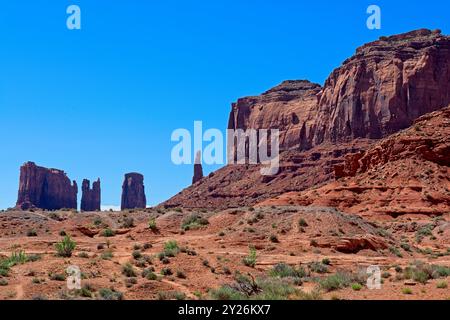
(44, 188)
(379, 91)
(91, 198)
(133, 192)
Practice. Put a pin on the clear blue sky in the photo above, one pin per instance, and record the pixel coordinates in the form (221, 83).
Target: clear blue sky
(104, 100)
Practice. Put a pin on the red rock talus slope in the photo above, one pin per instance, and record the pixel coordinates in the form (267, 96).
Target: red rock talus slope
(382, 89)
(45, 188)
(408, 172)
(243, 185)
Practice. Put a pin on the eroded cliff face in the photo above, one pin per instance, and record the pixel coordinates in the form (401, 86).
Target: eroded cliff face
(44, 188)
(405, 173)
(91, 198)
(290, 107)
(428, 139)
(382, 89)
(133, 192)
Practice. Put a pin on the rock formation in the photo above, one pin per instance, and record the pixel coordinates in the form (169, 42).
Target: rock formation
(405, 173)
(290, 107)
(44, 188)
(198, 169)
(382, 89)
(133, 192)
(412, 143)
(352, 244)
(91, 198)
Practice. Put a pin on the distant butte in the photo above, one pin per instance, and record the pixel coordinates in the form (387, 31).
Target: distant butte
(91, 198)
(133, 192)
(44, 188)
(382, 89)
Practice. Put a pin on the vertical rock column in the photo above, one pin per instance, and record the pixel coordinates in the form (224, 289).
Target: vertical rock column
(133, 192)
(198, 169)
(91, 198)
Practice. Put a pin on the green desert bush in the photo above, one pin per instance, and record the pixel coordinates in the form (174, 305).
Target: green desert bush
(171, 248)
(283, 270)
(340, 280)
(110, 294)
(128, 270)
(166, 272)
(250, 260)
(264, 288)
(356, 287)
(107, 255)
(65, 247)
(57, 277)
(128, 222)
(318, 267)
(194, 221)
(171, 295)
(107, 233)
(152, 224)
(407, 291)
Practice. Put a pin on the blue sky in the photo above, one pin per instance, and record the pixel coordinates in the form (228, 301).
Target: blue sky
(104, 100)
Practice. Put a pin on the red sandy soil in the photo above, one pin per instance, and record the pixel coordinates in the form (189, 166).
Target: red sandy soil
(223, 243)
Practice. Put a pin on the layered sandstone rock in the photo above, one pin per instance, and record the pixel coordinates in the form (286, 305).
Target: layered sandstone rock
(243, 185)
(405, 173)
(413, 143)
(133, 192)
(290, 107)
(44, 188)
(382, 89)
(352, 244)
(91, 198)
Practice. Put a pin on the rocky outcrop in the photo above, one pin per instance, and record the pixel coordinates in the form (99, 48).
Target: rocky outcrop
(290, 107)
(421, 141)
(88, 232)
(91, 198)
(243, 185)
(44, 188)
(133, 192)
(198, 169)
(352, 244)
(382, 89)
(405, 173)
